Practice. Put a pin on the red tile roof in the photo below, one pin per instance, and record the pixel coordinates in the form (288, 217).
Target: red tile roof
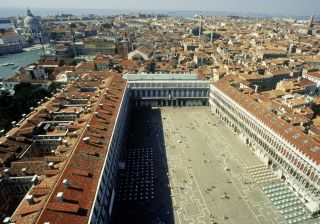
(83, 169)
(302, 142)
(79, 163)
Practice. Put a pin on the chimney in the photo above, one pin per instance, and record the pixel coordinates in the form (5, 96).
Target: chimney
(2, 132)
(86, 140)
(5, 173)
(50, 165)
(34, 179)
(65, 142)
(13, 123)
(60, 196)
(23, 171)
(30, 199)
(7, 220)
(65, 183)
(101, 106)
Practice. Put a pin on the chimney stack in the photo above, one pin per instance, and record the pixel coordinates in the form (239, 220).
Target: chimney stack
(86, 140)
(60, 196)
(30, 199)
(23, 171)
(34, 179)
(7, 220)
(50, 165)
(65, 183)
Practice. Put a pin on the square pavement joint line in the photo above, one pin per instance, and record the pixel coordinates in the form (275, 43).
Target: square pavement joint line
(192, 209)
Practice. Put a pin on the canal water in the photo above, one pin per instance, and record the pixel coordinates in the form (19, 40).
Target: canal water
(19, 60)
(5, 25)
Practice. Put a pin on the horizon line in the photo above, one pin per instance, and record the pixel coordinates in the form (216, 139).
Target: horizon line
(166, 10)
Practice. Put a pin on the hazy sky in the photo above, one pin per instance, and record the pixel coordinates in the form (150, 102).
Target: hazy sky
(259, 6)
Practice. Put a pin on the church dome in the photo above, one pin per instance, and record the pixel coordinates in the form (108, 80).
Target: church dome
(19, 23)
(31, 21)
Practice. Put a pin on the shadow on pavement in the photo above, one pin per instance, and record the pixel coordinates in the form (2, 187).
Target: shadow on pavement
(143, 193)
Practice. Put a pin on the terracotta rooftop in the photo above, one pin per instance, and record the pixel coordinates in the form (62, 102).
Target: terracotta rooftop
(128, 63)
(314, 74)
(304, 143)
(74, 160)
(83, 168)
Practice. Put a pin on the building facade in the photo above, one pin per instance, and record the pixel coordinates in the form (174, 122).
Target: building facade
(293, 155)
(30, 30)
(158, 91)
(105, 194)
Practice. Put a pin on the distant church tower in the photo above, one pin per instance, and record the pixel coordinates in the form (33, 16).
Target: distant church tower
(124, 47)
(311, 19)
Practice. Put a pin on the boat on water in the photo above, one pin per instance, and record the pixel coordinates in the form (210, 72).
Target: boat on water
(7, 64)
(15, 67)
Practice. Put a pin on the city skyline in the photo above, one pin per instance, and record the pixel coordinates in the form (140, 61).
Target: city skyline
(245, 6)
(179, 115)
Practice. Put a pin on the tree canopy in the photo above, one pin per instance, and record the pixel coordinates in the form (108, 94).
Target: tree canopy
(25, 96)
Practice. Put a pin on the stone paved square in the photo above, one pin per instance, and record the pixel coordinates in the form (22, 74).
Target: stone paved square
(200, 171)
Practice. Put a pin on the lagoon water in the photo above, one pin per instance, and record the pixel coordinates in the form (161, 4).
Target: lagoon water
(19, 60)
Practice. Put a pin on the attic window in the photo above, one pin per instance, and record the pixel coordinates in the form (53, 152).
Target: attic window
(304, 142)
(273, 120)
(315, 149)
(281, 124)
(288, 130)
(296, 135)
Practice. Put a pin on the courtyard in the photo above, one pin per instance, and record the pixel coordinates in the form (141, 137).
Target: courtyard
(184, 166)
